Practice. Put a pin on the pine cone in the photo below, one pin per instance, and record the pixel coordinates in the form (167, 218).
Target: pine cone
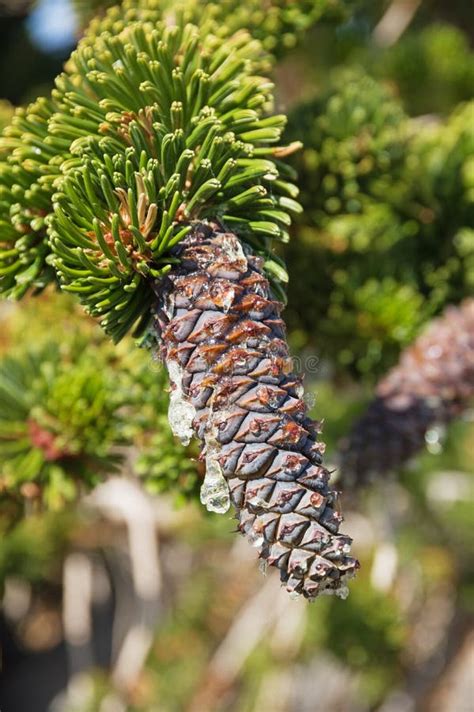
(432, 384)
(224, 344)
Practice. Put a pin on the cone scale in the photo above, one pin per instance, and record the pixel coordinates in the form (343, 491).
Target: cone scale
(223, 342)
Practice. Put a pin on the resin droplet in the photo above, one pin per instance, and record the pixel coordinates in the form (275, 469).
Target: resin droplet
(214, 491)
(181, 412)
(299, 390)
(255, 538)
(168, 305)
(234, 252)
(227, 300)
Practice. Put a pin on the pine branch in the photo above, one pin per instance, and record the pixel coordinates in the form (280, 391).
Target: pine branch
(171, 189)
(195, 141)
(26, 186)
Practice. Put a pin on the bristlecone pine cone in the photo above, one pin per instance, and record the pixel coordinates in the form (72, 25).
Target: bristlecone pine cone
(223, 342)
(432, 384)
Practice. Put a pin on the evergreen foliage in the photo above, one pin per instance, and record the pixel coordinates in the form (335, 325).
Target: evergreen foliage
(278, 24)
(36, 150)
(155, 128)
(387, 215)
(432, 68)
(25, 190)
(74, 408)
(191, 143)
(59, 421)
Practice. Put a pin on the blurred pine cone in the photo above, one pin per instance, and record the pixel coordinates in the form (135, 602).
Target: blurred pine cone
(432, 383)
(224, 345)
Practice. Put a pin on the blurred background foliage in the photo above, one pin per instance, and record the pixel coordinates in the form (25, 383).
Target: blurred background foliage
(385, 109)
(73, 406)
(388, 215)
